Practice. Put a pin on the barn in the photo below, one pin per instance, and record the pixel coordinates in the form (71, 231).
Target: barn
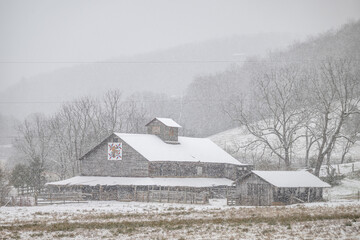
(158, 166)
(264, 188)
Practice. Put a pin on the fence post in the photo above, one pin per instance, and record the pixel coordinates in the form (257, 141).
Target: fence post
(168, 194)
(160, 195)
(148, 194)
(308, 196)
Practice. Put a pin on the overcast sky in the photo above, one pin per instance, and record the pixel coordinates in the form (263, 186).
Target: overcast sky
(86, 30)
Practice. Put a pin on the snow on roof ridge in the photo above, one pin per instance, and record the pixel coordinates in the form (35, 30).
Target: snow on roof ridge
(167, 121)
(291, 179)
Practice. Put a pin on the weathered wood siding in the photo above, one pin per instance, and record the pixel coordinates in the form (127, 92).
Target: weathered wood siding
(195, 169)
(254, 191)
(293, 195)
(164, 132)
(143, 193)
(96, 163)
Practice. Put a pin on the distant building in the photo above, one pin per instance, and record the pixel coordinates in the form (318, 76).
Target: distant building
(263, 188)
(158, 166)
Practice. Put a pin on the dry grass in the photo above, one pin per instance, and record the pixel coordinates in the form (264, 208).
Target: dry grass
(229, 223)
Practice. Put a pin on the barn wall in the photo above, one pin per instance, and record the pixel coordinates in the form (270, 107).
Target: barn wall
(234, 172)
(253, 191)
(194, 169)
(132, 164)
(164, 133)
(142, 193)
(293, 195)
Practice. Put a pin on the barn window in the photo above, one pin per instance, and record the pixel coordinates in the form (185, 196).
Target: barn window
(115, 139)
(199, 170)
(156, 129)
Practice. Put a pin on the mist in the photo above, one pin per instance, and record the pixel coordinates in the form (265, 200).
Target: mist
(41, 36)
(163, 119)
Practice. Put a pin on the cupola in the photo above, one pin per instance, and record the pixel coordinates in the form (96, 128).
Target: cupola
(165, 128)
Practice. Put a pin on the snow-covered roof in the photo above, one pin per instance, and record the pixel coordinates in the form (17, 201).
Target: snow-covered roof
(291, 179)
(188, 149)
(167, 122)
(143, 181)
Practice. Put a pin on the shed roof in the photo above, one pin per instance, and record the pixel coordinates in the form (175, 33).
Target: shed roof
(142, 181)
(291, 179)
(188, 149)
(167, 122)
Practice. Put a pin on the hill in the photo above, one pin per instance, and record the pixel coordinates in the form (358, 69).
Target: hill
(167, 71)
(332, 44)
(235, 140)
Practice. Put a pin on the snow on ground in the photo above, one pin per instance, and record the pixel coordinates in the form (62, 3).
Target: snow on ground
(349, 189)
(341, 169)
(101, 207)
(234, 140)
(135, 220)
(8, 214)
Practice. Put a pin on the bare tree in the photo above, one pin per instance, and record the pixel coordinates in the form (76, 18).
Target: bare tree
(275, 113)
(113, 111)
(4, 186)
(350, 135)
(335, 95)
(75, 132)
(34, 142)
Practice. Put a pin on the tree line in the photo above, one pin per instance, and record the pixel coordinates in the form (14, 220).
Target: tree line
(315, 103)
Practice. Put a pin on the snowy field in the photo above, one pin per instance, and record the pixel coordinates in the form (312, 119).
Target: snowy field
(234, 140)
(134, 220)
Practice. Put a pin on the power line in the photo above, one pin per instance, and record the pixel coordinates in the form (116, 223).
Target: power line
(125, 101)
(160, 61)
(123, 62)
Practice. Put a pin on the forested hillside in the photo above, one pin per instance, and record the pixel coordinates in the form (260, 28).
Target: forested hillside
(167, 71)
(303, 106)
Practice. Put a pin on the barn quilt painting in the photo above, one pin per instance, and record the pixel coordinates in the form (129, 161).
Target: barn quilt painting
(114, 151)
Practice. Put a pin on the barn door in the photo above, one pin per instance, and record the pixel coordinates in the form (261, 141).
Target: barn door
(263, 195)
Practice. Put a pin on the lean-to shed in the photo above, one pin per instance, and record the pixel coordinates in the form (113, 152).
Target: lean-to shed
(263, 188)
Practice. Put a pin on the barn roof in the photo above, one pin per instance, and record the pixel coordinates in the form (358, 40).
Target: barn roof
(188, 149)
(291, 179)
(167, 122)
(142, 181)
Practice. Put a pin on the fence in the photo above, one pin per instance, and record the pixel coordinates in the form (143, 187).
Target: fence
(20, 201)
(60, 198)
(151, 195)
(348, 196)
